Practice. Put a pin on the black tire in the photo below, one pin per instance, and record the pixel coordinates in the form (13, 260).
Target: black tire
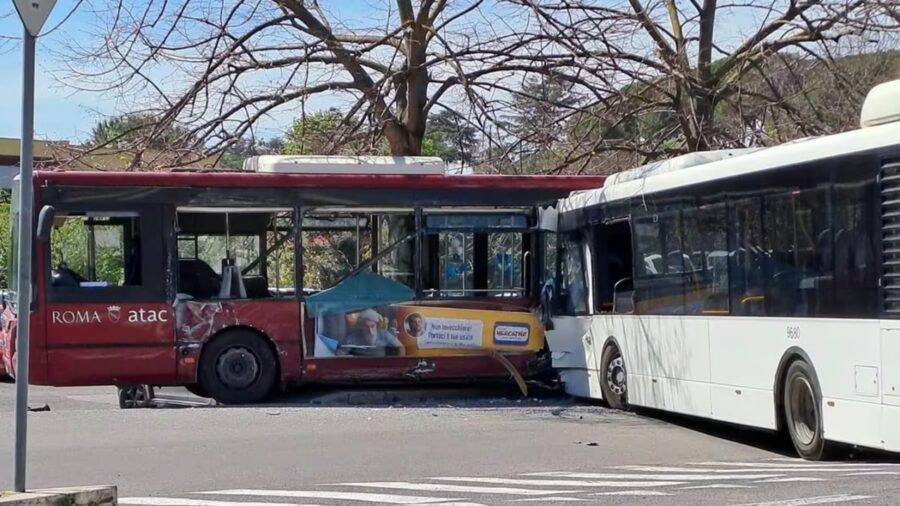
(803, 411)
(197, 390)
(238, 367)
(613, 378)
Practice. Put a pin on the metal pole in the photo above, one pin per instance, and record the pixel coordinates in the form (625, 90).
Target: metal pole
(23, 285)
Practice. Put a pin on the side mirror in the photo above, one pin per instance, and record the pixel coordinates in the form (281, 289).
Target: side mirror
(45, 223)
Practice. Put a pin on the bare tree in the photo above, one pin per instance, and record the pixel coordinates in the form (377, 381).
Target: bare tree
(668, 76)
(224, 69)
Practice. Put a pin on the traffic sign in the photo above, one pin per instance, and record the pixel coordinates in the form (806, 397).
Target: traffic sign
(34, 13)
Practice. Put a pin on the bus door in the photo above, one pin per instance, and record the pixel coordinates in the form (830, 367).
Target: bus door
(236, 273)
(358, 266)
(107, 317)
(364, 318)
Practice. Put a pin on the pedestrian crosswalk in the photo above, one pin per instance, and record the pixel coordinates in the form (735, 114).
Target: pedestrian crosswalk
(617, 483)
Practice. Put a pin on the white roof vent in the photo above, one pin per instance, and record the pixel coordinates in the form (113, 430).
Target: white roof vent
(673, 164)
(345, 164)
(882, 105)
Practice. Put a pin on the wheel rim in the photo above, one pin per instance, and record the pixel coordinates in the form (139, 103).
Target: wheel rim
(237, 367)
(615, 375)
(804, 416)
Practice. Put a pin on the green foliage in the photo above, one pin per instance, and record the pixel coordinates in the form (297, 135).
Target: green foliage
(313, 134)
(449, 138)
(4, 242)
(69, 244)
(129, 128)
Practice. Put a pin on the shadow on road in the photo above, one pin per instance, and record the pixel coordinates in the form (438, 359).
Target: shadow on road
(771, 441)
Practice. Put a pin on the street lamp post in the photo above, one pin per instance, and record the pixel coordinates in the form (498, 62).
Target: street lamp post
(33, 14)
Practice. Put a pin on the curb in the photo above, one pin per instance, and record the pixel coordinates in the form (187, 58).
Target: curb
(71, 496)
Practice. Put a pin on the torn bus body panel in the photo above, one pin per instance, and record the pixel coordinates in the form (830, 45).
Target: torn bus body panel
(198, 321)
(403, 369)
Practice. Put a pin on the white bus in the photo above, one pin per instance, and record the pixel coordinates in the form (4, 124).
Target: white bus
(757, 287)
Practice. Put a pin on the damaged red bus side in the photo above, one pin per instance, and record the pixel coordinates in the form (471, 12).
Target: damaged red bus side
(235, 283)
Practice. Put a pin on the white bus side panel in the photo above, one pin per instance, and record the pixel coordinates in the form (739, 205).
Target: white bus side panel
(844, 354)
(890, 368)
(572, 354)
(667, 358)
(891, 427)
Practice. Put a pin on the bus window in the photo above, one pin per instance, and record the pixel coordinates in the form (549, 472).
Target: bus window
(476, 255)
(335, 244)
(95, 251)
(747, 258)
(397, 262)
(856, 292)
(457, 276)
(573, 285)
(613, 267)
(505, 265)
(235, 254)
(706, 289)
(550, 259)
(659, 289)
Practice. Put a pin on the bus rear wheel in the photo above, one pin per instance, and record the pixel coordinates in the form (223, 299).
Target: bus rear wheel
(238, 367)
(613, 378)
(803, 411)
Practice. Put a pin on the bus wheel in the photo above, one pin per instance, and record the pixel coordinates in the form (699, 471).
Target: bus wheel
(196, 389)
(613, 381)
(238, 367)
(803, 412)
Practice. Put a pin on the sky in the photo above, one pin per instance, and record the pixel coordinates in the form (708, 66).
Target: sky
(62, 113)
(59, 112)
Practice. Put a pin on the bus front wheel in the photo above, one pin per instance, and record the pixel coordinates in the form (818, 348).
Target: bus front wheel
(613, 380)
(803, 411)
(238, 367)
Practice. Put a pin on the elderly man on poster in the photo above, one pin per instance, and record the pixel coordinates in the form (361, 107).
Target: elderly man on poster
(369, 339)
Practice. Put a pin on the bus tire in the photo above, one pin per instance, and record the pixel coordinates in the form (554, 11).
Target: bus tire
(196, 389)
(238, 367)
(803, 411)
(613, 378)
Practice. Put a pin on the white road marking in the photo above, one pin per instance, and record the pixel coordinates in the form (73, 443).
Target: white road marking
(563, 483)
(634, 493)
(341, 496)
(670, 477)
(440, 487)
(174, 501)
(767, 465)
(806, 462)
(699, 470)
(459, 504)
(873, 473)
(715, 485)
(787, 480)
(806, 501)
(548, 499)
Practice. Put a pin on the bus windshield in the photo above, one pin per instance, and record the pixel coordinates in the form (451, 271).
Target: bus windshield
(12, 265)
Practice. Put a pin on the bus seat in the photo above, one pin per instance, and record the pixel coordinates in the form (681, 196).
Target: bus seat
(257, 287)
(197, 279)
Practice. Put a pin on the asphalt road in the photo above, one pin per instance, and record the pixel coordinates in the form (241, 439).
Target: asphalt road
(478, 451)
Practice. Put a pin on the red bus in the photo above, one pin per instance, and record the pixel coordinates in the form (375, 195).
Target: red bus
(296, 270)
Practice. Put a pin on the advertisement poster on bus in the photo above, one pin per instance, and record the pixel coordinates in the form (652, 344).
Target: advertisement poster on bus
(423, 331)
